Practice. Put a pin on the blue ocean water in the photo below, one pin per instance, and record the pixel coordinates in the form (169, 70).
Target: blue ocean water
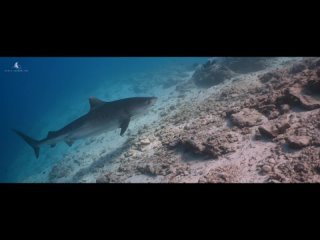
(32, 88)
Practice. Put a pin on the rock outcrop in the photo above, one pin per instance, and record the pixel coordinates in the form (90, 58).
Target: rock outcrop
(245, 64)
(273, 128)
(247, 118)
(218, 70)
(211, 74)
(299, 142)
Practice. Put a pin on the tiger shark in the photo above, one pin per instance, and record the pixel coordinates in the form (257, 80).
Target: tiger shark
(102, 117)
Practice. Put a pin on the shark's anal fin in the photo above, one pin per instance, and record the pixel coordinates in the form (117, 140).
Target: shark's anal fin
(95, 102)
(53, 145)
(69, 142)
(124, 125)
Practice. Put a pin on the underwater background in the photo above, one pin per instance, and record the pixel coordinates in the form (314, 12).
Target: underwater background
(215, 120)
(46, 93)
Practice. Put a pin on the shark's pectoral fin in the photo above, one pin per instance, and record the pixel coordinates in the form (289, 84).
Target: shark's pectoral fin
(69, 142)
(53, 145)
(124, 125)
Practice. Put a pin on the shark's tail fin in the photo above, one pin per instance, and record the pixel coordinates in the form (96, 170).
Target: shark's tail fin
(33, 143)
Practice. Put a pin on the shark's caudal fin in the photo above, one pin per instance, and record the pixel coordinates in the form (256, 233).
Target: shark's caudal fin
(33, 143)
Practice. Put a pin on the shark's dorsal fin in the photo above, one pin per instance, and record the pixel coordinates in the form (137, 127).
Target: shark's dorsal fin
(95, 102)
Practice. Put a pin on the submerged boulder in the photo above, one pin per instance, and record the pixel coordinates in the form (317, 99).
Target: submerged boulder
(247, 118)
(245, 64)
(298, 142)
(272, 76)
(215, 71)
(297, 95)
(272, 129)
(211, 74)
(206, 144)
(297, 67)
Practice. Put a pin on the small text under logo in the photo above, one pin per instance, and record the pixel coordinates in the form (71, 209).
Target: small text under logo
(16, 67)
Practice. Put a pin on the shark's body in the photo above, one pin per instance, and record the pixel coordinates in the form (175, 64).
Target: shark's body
(102, 117)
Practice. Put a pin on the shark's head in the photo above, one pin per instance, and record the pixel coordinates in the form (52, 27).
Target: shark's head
(140, 105)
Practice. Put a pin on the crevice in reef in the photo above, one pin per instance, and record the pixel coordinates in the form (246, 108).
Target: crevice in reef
(287, 149)
(229, 123)
(312, 89)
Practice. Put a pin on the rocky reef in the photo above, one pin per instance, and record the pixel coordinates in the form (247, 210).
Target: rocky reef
(218, 70)
(231, 120)
(263, 127)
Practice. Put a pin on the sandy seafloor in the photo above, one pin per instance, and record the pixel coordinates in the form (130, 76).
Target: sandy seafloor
(89, 159)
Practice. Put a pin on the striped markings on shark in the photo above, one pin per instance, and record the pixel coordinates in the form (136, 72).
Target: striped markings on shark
(102, 116)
